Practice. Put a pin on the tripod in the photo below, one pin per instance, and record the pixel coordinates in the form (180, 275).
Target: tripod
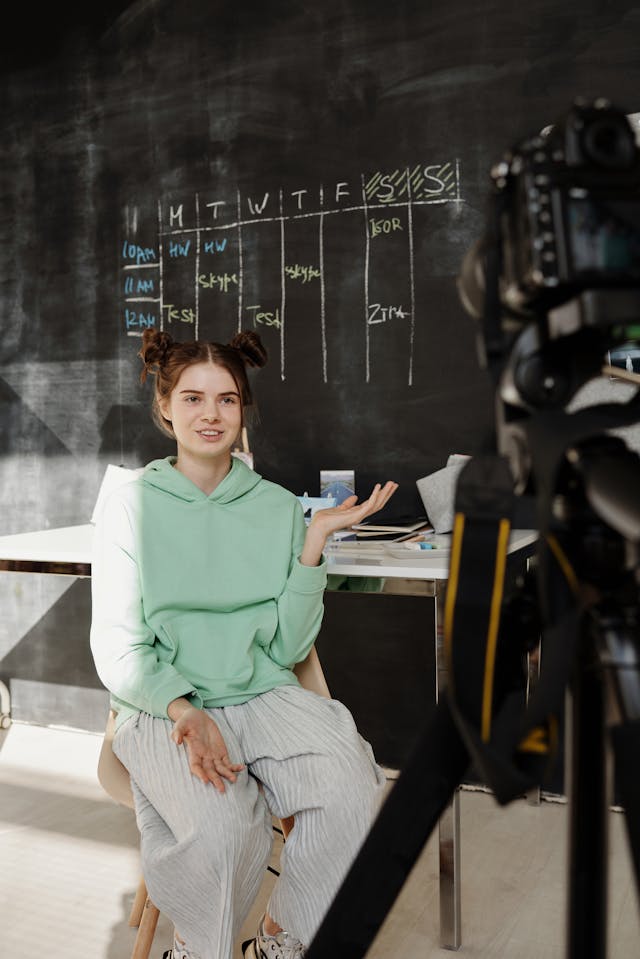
(589, 597)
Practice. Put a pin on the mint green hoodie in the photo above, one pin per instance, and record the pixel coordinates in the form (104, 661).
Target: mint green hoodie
(200, 596)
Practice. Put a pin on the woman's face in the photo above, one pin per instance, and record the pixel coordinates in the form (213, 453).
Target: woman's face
(205, 410)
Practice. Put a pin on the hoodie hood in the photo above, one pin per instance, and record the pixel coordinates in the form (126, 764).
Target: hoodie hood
(161, 474)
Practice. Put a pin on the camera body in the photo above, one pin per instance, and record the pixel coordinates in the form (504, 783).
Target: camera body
(554, 281)
(571, 221)
(564, 220)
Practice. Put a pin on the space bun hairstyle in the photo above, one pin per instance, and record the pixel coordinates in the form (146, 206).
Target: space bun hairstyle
(166, 359)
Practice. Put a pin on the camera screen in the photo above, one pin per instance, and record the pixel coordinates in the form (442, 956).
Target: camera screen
(605, 237)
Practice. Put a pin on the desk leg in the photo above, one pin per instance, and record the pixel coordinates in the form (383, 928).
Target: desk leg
(5, 706)
(450, 907)
(449, 824)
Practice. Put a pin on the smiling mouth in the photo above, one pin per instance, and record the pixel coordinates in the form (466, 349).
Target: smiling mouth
(209, 432)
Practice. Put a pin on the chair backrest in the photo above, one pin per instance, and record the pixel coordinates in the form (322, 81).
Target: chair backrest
(114, 777)
(310, 675)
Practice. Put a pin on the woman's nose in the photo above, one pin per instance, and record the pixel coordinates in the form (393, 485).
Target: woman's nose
(210, 412)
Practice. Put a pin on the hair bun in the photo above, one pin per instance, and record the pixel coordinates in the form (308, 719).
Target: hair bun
(250, 346)
(153, 353)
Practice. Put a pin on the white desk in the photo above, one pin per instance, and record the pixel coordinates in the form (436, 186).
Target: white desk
(63, 551)
(366, 560)
(66, 551)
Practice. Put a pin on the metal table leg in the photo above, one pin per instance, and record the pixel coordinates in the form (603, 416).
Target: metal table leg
(5, 706)
(450, 906)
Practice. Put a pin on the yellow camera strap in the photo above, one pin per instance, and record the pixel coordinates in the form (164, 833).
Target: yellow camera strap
(511, 747)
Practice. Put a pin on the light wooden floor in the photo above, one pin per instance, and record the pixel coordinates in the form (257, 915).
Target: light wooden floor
(69, 868)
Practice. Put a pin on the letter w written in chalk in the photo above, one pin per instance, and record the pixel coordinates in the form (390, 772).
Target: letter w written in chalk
(254, 206)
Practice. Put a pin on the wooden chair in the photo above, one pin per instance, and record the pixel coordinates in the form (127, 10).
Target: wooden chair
(114, 779)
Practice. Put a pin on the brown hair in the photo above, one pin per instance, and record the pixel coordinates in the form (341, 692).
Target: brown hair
(166, 359)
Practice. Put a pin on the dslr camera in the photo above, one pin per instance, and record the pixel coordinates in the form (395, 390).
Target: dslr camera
(554, 281)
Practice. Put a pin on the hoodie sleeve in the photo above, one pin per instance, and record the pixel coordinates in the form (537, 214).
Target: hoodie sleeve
(300, 606)
(122, 644)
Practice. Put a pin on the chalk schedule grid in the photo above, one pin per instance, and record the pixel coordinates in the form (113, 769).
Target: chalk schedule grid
(296, 264)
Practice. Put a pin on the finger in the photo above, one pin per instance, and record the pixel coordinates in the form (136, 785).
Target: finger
(374, 504)
(206, 776)
(216, 782)
(213, 777)
(228, 769)
(387, 492)
(381, 494)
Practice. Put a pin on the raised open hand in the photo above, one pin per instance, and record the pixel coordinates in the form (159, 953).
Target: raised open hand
(324, 522)
(350, 511)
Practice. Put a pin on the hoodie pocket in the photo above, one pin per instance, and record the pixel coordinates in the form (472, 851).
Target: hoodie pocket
(211, 650)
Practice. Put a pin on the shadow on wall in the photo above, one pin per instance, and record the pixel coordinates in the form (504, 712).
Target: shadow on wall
(130, 438)
(50, 671)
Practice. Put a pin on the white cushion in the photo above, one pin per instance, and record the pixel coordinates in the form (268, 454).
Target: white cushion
(114, 476)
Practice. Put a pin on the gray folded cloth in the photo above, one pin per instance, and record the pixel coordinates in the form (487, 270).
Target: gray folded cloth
(437, 492)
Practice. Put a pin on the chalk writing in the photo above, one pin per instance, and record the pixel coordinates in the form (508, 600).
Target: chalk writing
(252, 261)
(418, 183)
(384, 226)
(179, 314)
(179, 249)
(224, 282)
(255, 207)
(264, 317)
(134, 284)
(304, 273)
(135, 322)
(380, 314)
(215, 246)
(139, 254)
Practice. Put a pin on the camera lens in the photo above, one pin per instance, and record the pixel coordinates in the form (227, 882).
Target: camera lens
(609, 143)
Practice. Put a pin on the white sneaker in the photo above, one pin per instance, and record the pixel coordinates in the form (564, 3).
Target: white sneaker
(280, 946)
(179, 951)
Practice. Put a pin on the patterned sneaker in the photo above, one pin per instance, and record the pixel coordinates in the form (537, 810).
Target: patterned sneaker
(280, 946)
(177, 952)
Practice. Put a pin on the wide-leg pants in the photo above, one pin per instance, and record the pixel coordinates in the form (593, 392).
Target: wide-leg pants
(204, 853)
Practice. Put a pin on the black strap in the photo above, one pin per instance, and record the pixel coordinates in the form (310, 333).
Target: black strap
(513, 744)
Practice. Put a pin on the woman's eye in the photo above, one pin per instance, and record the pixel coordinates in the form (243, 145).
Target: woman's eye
(192, 399)
(230, 400)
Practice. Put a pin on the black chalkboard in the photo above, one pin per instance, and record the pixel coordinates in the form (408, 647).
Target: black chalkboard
(316, 171)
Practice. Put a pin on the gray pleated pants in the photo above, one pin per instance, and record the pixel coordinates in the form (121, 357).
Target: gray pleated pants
(204, 853)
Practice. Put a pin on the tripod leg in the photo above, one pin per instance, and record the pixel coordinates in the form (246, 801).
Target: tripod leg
(626, 747)
(622, 656)
(587, 902)
(401, 829)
